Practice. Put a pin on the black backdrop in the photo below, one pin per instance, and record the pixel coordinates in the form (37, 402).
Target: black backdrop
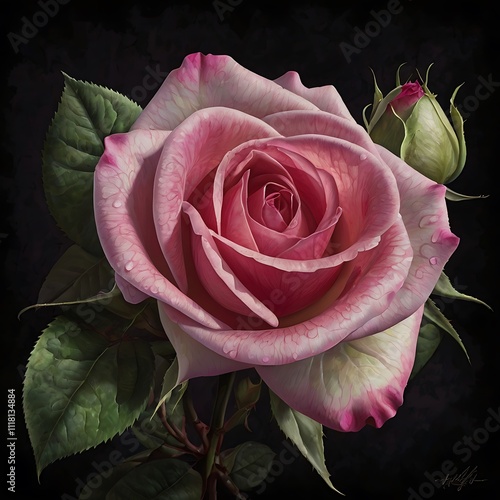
(117, 44)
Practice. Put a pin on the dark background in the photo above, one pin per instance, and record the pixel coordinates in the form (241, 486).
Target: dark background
(115, 44)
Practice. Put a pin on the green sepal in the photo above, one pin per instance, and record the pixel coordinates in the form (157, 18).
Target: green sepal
(433, 314)
(444, 288)
(86, 114)
(454, 196)
(429, 338)
(458, 126)
(81, 389)
(305, 433)
(247, 395)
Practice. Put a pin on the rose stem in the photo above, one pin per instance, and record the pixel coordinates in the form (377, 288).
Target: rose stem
(216, 432)
(201, 427)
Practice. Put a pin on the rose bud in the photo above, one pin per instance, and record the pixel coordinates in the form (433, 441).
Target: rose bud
(410, 123)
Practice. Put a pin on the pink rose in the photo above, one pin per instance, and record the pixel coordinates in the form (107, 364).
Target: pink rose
(404, 102)
(276, 235)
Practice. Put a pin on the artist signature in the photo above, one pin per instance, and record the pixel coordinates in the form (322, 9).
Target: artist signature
(468, 476)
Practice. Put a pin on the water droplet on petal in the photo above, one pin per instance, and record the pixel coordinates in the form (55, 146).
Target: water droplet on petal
(433, 261)
(428, 220)
(232, 354)
(265, 359)
(362, 157)
(419, 273)
(129, 266)
(295, 355)
(117, 203)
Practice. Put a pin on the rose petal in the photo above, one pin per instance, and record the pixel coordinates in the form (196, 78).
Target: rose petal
(324, 324)
(353, 384)
(367, 193)
(194, 359)
(425, 216)
(217, 277)
(290, 123)
(191, 152)
(326, 98)
(205, 81)
(123, 189)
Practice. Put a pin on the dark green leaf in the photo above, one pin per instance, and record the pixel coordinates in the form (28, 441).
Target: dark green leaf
(249, 464)
(86, 114)
(305, 433)
(166, 479)
(428, 341)
(81, 390)
(98, 487)
(434, 315)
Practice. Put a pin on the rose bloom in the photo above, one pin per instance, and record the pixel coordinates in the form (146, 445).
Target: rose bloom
(274, 234)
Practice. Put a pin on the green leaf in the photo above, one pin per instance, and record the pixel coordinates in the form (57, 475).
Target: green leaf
(305, 433)
(166, 479)
(77, 277)
(81, 390)
(444, 288)
(152, 434)
(434, 315)
(249, 464)
(105, 481)
(429, 338)
(454, 196)
(86, 114)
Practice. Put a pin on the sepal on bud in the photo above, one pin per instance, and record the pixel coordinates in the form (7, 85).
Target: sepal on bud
(410, 123)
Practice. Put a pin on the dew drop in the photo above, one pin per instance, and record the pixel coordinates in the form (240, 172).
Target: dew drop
(428, 220)
(433, 261)
(117, 203)
(419, 273)
(265, 359)
(362, 157)
(295, 355)
(232, 354)
(129, 266)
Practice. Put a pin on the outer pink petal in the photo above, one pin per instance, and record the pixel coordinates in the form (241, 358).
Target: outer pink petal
(123, 189)
(353, 384)
(194, 359)
(425, 216)
(192, 151)
(290, 123)
(324, 324)
(205, 81)
(326, 98)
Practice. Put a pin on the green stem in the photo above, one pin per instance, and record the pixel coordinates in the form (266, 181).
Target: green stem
(216, 433)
